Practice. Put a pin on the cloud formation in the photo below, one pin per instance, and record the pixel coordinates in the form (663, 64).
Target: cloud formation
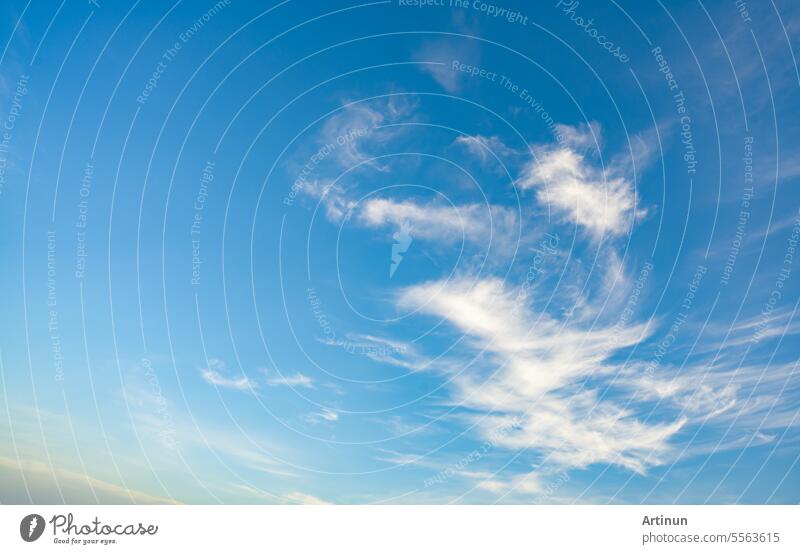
(296, 380)
(600, 200)
(474, 223)
(533, 387)
(214, 375)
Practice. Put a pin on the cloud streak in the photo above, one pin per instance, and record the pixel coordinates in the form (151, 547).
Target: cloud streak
(213, 375)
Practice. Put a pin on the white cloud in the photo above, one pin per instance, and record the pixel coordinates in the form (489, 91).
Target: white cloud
(379, 349)
(535, 384)
(343, 132)
(326, 414)
(527, 484)
(295, 497)
(296, 380)
(247, 449)
(158, 418)
(640, 152)
(303, 498)
(476, 223)
(214, 376)
(533, 381)
(583, 137)
(688, 392)
(437, 57)
(489, 150)
(756, 397)
(405, 459)
(353, 134)
(332, 196)
(603, 202)
(393, 345)
(329, 415)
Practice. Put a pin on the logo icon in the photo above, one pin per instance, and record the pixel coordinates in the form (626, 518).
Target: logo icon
(31, 527)
(402, 240)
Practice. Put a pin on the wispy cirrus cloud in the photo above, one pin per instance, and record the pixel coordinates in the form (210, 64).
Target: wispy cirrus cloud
(325, 414)
(354, 135)
(334, 198)
(303, 498)
(582, 137)
(215, 374)
(477, 224)
(551, 387)
(537, 365)
(490, 151)
(438, 56)
(295, 380)
(294, 497)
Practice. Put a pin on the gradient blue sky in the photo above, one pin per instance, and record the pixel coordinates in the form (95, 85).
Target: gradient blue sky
(446, 254)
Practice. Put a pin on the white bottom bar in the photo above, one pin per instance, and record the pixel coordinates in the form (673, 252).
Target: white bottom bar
(396, 529)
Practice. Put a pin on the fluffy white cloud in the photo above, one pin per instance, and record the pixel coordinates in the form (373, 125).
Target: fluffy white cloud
(600, 200)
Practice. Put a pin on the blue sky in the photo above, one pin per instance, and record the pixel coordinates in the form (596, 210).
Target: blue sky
(356, 253)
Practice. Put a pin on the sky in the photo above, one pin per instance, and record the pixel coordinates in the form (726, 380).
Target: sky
(399, 252)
